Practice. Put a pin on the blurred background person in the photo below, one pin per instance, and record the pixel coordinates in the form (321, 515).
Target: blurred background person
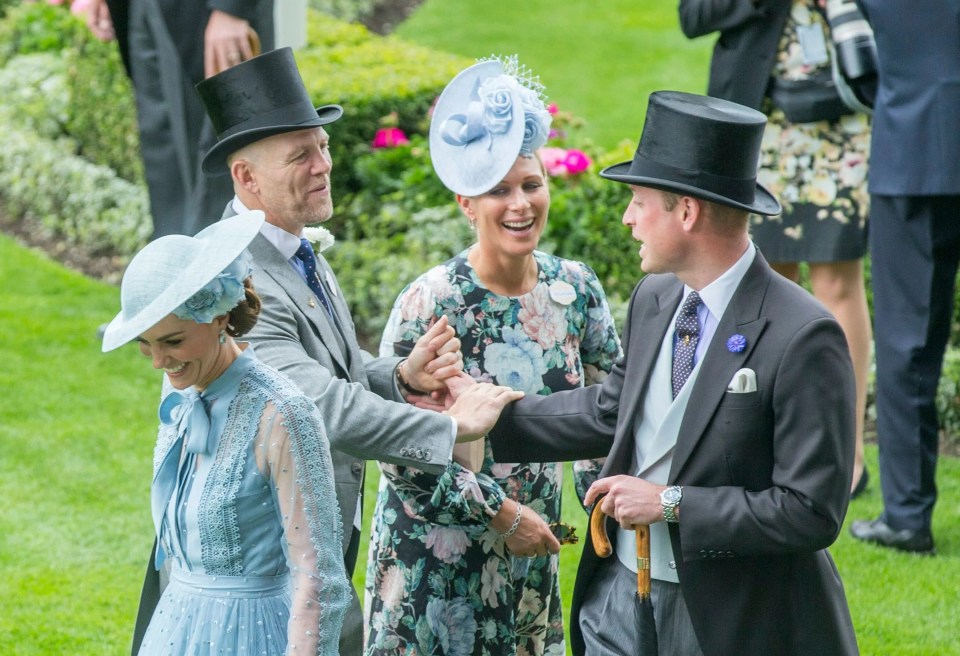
(776, 56)
(477, 545)
(914, 250)
(168, 46)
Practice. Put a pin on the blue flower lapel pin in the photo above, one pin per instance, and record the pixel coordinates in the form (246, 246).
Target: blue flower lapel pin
(736, 343)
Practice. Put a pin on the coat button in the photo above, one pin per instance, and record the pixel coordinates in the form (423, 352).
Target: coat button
(356, 468)
(404, 451)
(427, 455)
(703, 553)
(420, 453)
(672, 564)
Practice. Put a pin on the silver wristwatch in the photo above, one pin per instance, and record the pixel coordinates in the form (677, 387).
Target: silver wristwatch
(670, 498)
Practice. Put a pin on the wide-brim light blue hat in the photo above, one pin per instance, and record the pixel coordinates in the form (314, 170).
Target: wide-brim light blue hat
(485, 117)
(171, 269)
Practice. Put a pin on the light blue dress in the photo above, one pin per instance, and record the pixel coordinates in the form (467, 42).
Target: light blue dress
(245, 509)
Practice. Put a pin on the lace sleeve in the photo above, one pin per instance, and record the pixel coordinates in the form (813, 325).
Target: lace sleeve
(295, 456)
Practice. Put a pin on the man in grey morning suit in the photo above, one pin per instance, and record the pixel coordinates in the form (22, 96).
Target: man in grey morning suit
(734, 442)
(272, 143)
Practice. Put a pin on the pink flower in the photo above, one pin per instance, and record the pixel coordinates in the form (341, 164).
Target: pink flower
(543, 321)
(389, 138)
(576, 161)
(552, 159)
(552, 108)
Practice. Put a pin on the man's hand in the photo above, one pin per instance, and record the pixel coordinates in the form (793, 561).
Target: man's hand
(478, 407)
(630, 500)
(533, 536)
(99, 21)
(435, 357)
(226, 42)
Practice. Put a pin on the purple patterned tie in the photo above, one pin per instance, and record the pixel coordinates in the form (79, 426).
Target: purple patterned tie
(305, 255)
(686, 337)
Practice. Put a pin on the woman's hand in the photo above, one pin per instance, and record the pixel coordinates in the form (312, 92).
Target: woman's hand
(533, 536)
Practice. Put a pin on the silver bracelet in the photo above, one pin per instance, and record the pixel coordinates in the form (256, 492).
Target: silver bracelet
(516, 523)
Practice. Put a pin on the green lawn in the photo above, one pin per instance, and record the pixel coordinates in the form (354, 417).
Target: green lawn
(76, 436)
(599, 60)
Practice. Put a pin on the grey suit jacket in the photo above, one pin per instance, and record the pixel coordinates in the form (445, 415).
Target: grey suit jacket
(765, 475)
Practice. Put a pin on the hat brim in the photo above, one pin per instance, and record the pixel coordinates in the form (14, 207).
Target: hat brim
(764, 202)
(224, 242)
(215, 161)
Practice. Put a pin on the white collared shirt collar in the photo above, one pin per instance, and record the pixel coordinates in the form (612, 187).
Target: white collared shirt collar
(285, 242)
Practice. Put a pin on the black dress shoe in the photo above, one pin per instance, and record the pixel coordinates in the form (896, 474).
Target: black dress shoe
(878, 532)
(861, 485)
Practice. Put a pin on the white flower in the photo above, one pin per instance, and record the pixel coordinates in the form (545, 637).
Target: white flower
(491, 581)
(320, 238)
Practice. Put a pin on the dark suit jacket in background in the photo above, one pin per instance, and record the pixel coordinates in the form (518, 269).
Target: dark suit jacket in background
(746, 50)
(766, 474)
(916, 122)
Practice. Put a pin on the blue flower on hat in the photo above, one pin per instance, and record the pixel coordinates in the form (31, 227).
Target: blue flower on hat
(736, 343)
(218, 296)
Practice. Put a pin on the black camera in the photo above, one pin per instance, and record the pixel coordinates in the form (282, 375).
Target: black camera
(856, 49)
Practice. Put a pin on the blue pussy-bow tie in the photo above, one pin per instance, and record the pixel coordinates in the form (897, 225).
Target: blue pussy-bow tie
(188, 412)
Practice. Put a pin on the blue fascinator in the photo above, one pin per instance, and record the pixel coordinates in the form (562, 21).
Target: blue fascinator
(197, 278)
(486, 116)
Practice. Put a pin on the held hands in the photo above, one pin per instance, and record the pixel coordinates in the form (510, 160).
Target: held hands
(477, 406)
(226, 42)
(533, 536)
(435, 357)
(630, 500)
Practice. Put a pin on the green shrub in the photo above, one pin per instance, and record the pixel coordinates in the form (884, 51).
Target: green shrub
(86, 204)
(372, 77)
(948, 399)
(103, 114)
(38, 27)
(345, 10)
(28, 85)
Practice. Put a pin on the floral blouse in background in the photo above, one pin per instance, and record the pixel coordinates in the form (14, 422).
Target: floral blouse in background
(439, 579)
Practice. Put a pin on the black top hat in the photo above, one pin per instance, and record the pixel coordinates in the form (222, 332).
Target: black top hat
(700, 146)
(258, 98)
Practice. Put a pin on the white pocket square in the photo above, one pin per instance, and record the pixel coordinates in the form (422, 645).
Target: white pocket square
(743, 381)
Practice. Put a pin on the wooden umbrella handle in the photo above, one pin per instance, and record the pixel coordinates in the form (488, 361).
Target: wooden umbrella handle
(603, 548)
(598, 531)
(643, 561)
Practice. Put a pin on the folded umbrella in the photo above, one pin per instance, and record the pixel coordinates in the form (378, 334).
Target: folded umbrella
(646, 639)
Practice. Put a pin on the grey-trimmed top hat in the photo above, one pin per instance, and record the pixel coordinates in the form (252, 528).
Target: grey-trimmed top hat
(701, 146)
(258, 98)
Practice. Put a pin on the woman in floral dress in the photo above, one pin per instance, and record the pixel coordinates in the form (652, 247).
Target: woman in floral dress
(441, 577)
(818, 170)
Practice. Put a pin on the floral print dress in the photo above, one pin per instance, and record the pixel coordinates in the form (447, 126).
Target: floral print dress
(817, 170)
(439, 579)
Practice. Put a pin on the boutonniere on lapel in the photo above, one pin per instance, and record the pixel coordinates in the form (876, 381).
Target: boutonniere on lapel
(736, 343)
(320, 238)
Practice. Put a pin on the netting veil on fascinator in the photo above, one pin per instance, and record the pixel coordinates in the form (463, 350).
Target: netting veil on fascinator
(196, 278)
(486, 116)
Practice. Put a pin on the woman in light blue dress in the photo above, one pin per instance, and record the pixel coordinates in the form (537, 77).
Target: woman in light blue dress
(243, 499)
